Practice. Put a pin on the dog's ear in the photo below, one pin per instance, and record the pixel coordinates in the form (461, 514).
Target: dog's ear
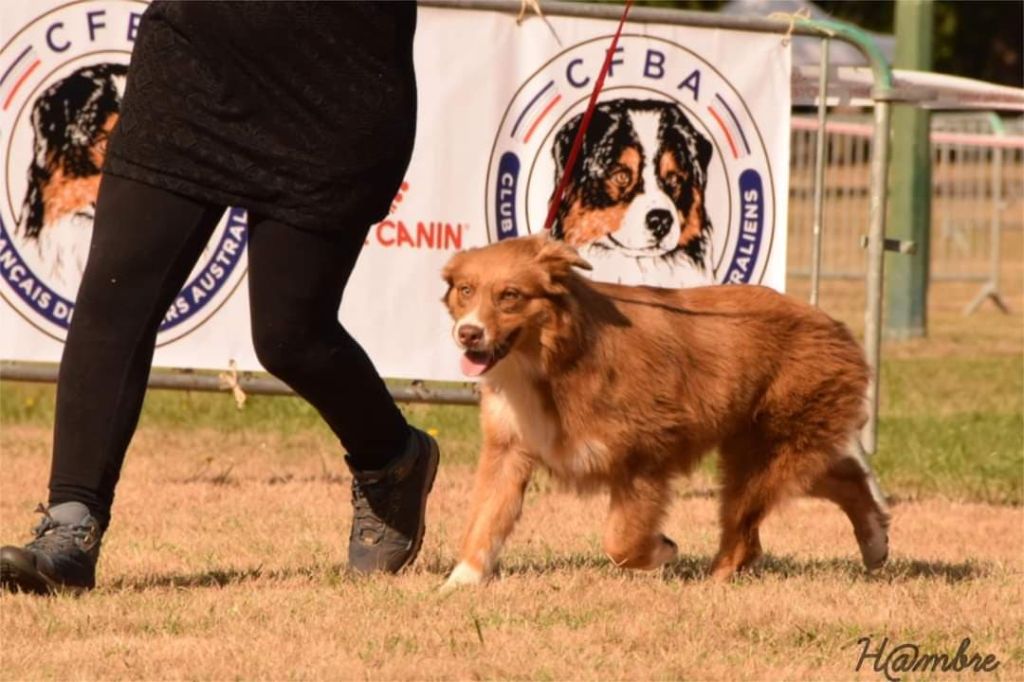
(600, 128)
(677, 126)
(704, 149)
(558, 258)
(593, 159)
(448, 275)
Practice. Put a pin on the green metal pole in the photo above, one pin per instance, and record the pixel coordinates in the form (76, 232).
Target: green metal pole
(910, 181)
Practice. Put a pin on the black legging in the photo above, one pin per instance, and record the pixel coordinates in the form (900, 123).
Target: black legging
(145, 242)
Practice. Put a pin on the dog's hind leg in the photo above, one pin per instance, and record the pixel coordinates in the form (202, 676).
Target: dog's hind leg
(740, 545)
(850, 483)
(632, 537)
(498, 492)
(756, 478)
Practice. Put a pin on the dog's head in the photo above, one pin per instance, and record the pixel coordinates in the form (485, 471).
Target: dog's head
(500, 296)
(639, 187)
(71, 122)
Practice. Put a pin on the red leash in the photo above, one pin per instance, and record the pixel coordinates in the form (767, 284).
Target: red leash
(577, 144)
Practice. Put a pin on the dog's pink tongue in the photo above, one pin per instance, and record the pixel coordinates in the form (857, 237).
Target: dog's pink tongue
(473, 368)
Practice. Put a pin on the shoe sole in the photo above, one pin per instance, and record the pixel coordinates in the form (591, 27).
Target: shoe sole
(18, 573)
(435, 460)
(17, 577)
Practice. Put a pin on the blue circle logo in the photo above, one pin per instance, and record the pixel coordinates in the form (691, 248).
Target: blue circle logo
(62, 76)
(673, 187)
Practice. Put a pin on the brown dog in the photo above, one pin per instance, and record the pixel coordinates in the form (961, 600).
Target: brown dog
(618, 387)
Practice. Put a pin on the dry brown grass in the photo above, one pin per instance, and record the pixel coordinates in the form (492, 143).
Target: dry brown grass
(225, 561)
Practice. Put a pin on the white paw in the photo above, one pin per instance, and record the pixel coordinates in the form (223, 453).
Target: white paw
(874, 548)
(463, 574)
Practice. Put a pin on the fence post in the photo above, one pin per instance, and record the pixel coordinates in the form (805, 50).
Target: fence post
(910, 180)
(819, 173)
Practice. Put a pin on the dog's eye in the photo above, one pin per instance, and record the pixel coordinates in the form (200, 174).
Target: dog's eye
(510, 295)
(465, 291)
(674, 179)
(621, 176)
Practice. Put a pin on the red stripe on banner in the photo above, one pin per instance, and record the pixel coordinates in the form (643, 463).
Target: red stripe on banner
(21, 80)
(721, 123)
(15, 63)
(540, 118)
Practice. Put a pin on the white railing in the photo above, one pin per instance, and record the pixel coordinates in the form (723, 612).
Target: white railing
(977, 195)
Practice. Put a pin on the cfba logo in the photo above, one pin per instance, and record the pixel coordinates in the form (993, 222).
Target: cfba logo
(674, 186)
(62, 78)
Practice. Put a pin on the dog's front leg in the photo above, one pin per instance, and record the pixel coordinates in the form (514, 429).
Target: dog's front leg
(501, 480)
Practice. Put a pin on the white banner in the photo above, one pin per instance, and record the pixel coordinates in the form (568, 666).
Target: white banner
(684, 183)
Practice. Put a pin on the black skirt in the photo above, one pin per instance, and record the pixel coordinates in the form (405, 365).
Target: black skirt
(304, 112)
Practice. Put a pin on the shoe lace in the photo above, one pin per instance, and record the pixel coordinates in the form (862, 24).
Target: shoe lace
(52, 536)
(369, 500)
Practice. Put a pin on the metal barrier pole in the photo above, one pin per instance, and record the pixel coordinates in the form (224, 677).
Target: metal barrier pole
(881, 94)
(991, 288)
(255, 385)
(819, 174)
(876, 268)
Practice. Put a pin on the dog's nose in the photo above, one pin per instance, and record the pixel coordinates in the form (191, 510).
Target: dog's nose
(470, 335)
(659, 222)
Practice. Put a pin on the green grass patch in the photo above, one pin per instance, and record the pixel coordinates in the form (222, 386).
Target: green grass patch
(953, 427)
(457, 427)
(950, 427)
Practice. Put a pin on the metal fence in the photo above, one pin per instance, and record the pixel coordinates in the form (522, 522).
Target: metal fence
(977, 195)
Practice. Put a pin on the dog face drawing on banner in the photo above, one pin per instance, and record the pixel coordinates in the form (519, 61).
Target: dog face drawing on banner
(674, 184)
(71, 122)
(636, 200)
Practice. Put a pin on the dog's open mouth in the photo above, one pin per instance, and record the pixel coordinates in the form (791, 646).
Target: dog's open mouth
(652, 250)
(476, 362)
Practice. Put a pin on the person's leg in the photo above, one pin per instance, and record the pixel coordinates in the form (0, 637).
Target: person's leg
(296, 282)
(145, 242)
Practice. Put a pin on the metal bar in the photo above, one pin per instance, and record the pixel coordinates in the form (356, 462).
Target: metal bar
(876, 269)
(948, 204)
(882, 74)
(893, 245)
(796, 192)
(819, 174)
(991, 288)
(997, 211)
(825, 274)
(804, 273)
(952, 277)
(255, 385)
(650, 15)
(860, 157)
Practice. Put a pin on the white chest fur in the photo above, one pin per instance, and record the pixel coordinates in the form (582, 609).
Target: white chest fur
(516, 405)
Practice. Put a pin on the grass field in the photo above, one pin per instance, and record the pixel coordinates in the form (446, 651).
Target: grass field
(226, 555)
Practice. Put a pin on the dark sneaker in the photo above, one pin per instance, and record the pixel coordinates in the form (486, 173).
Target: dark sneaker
(62, 557)
(389, 508)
